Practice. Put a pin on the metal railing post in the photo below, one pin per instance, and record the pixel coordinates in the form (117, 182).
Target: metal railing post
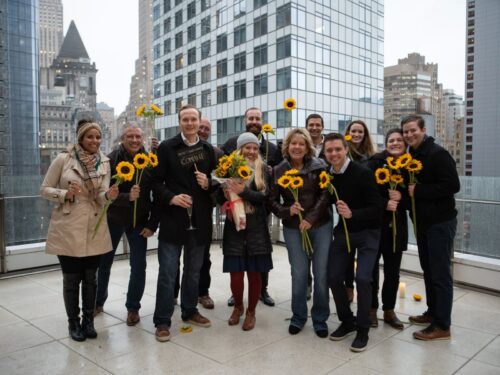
(3, 248)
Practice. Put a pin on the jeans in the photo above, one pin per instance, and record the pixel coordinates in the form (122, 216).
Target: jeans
(366, 243)
(435, 249)
(299, 263)
(137, 281)
(168, 257)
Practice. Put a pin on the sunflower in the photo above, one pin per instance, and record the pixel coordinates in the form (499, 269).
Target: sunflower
(153, 159)
(140, 110)
(156, 110)
(291, 172)
(397, 179)
(290, 104)
(414, 166)
(141, 160)
(392, 163)
(382, 175)
(266, 128)
(125, 171)
(244, 172)
(296, 182)
(284, 181)
(220, 172)
(348, 138)
(403, 160)
(324, 180)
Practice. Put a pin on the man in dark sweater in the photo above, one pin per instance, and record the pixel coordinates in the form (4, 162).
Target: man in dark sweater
(253, 124)
(120, 221)
(360, 205)
(182, 184)
(436, 226)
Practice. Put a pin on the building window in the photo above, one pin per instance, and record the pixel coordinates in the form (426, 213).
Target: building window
(177, 2)
(222, 94)
(191, 33)
(157, 90)
(192, 99)
(156, 51)
(178, 104)
(221, 17)
(260, 84)
(221, 68)
(205, 49)
(156, 12)
(178, 40)
(191, 10)
(167, 46)
(192, 78)
(205, 4)
(283, 47)
(205, 73)
(167, 108)
(179, 61)
(240, 62)
(179, 83)
(284, 118)
(283, 78)
(260, 55)
(191, 55)
(156, 32)
(167, 66)
(166, 6)
(240, 35)
(157, 71)
(240, 89)
(167, 25)
(283, 16)
(178, 18)
(259, 3)
(206, 98)
(260, 26)
(239, 8)
(205, 25)
(221, 42)
(167, 87)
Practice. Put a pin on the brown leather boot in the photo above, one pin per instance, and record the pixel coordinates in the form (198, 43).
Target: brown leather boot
(235, 315)
(373, 318)
(391, 319)
(249, 322)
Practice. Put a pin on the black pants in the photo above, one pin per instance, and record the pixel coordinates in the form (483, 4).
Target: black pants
(392, 264)
(78, 265)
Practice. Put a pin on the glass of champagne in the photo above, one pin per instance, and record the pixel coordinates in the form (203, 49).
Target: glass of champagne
(190, 214)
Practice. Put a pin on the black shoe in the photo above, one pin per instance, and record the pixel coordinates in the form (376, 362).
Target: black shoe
(266, 298)
(322, 333)
(75, 330)
(361, 341)
(88, 328)
(345, 329)
(230, 301)
(293, 330)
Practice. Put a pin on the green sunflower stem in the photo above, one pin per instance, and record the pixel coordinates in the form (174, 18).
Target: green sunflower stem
(344, 222)
(267, 147)
(104, 212)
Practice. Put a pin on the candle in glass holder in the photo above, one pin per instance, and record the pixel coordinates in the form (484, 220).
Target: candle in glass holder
(402, 290)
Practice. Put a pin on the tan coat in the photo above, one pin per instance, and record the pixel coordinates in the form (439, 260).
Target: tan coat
(72, 223)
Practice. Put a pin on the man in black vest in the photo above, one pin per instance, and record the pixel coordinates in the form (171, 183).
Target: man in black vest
(253, 124)
(436, 226)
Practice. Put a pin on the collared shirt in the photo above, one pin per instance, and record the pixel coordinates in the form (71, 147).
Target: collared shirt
(344, 167)
(319, 146)
(185, 140)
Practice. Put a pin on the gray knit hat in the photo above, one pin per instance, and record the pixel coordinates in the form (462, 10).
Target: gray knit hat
(245, 138)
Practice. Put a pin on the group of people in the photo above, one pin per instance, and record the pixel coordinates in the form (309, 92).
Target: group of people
(179, 196)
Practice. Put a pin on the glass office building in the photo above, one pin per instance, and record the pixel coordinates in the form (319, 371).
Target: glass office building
(226, 56)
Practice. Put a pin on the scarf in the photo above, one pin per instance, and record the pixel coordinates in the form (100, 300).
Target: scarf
(90, 163)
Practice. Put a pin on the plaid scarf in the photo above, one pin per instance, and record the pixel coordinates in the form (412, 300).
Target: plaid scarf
(90, 163)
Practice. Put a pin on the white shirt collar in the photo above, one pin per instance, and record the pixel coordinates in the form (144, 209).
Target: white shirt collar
(185, 140)
(319, 146)
(344, 167)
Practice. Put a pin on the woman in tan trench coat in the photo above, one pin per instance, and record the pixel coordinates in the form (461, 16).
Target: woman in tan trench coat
(78, 182)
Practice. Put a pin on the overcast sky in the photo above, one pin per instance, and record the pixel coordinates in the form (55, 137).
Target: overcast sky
(109, 29)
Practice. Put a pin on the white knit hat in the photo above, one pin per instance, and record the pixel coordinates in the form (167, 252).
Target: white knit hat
(245, 138)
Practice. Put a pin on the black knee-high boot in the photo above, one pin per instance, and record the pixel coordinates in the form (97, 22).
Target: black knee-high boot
(89, 287)
(71, 294)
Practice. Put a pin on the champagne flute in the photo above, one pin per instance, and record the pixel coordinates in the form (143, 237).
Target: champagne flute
(190, 214)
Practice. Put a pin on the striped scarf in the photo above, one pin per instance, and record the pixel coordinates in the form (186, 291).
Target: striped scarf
(90, 163)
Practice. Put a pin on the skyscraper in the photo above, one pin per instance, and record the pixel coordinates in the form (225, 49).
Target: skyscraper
(226, 56)
(453, 109)
(51, 30)
(482, 89)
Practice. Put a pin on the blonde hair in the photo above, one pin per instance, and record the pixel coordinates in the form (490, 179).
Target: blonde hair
(307, 137)
(259, 176)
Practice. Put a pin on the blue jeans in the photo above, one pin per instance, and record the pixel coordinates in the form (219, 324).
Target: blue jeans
(435, 249)
(366, 243)
(137, 281)
(299, 263)
(168, 257)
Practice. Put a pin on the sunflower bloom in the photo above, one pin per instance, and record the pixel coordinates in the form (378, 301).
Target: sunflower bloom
(324, 180)
(141, 160)
(291, 172)
(297, 182)
(244, 172)
(404, 159)
(153, 159)
(156, 109)
(348, 138)
(382, 176)
(284, 181)
(266, 128)
(140, 110)
(397, 179)
(393, 164)
(290, 104)
(414, 166)
(125, 171)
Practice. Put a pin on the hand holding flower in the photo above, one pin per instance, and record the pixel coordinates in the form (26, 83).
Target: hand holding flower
(235, 186)
(304, 225)
(343, 209)
(295, 209)
(394, 195)
(112, 192)
(134, 193)
(411, 190)
(392, 205)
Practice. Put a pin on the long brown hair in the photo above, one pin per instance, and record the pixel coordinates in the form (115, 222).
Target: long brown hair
(365, 148)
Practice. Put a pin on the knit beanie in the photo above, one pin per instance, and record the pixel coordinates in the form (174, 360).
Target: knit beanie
(85, 128)
(245, 138)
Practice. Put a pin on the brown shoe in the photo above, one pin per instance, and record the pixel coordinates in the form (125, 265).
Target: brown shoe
(133, 318)
(432, 333)
(162, 333)
(373, 318)
(391, 319)
(199, 320)
(249, 322)
(98, 310)
(350, 294)
(423, 320)
(235, 316)
(206, 302)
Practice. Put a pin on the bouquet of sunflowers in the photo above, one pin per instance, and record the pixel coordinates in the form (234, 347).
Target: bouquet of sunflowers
(233, 166)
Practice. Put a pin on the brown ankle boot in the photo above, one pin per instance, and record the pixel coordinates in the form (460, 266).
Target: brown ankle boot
(373, 318)
(391, 319)
(235, 315)
(249, 322)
